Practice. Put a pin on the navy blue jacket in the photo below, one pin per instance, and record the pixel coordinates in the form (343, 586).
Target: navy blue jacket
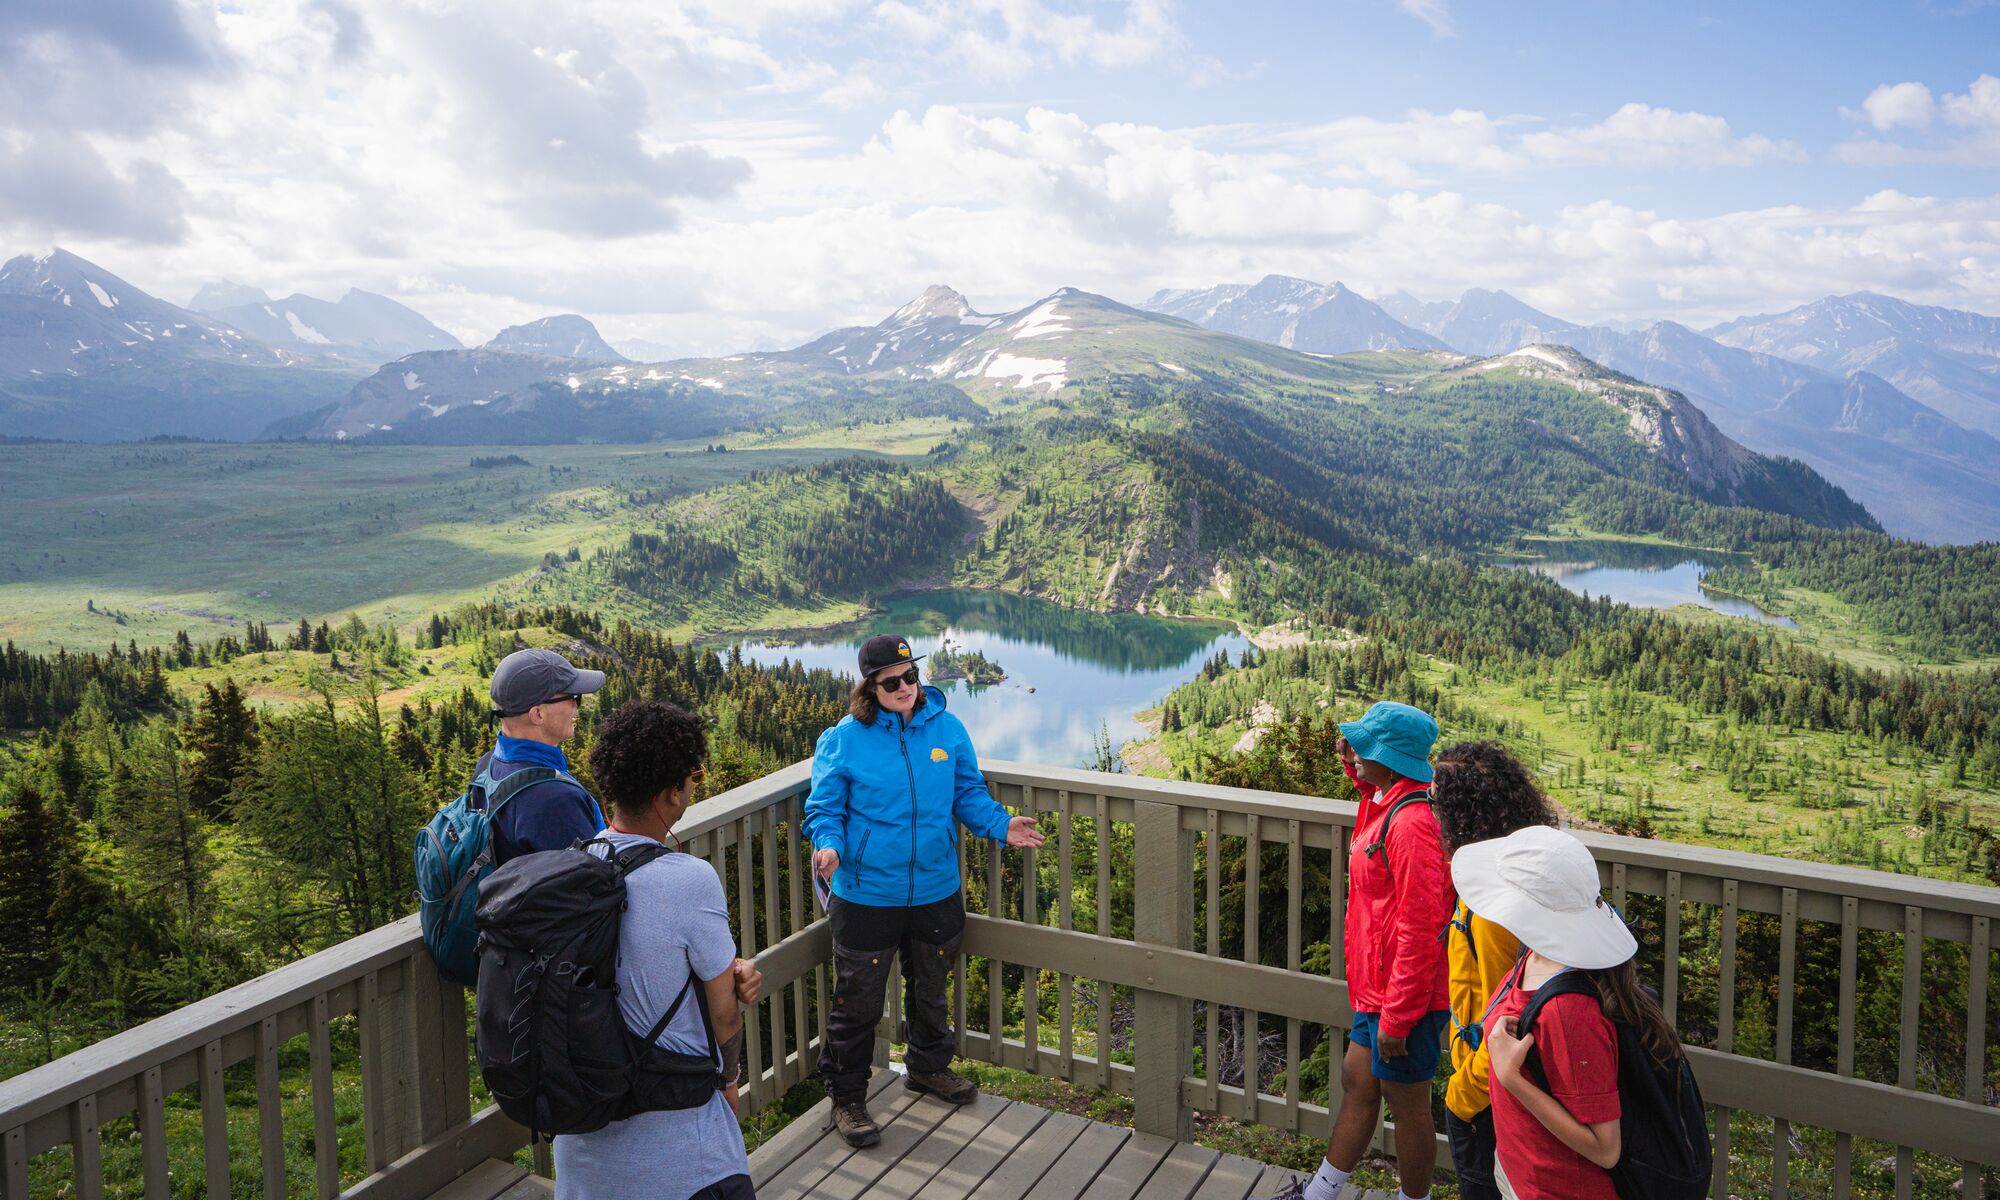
(889, 798)
(545, 816)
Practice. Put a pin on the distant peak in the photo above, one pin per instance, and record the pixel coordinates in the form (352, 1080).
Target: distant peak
(936, 301)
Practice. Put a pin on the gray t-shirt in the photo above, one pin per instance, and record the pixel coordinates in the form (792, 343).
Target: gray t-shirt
(676, 915)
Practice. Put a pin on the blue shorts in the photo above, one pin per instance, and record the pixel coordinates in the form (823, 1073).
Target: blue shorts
(1426, 1045)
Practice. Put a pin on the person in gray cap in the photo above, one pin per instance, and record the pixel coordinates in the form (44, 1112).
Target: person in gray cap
(537, 695)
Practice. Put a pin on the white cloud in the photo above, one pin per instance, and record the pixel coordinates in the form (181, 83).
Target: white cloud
(1005, 39)
(1978, 108)
(1434, 13)
(1895, 104)
(1640, 135)
(1975, 113)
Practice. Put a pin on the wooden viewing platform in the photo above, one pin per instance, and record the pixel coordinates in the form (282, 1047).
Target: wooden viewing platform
(1099, 960)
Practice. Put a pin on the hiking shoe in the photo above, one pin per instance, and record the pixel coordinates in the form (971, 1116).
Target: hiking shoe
(856, 1127)
(947, 1085)
(1295, 1190)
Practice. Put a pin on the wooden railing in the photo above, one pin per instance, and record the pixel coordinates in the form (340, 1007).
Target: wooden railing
(1137, 952)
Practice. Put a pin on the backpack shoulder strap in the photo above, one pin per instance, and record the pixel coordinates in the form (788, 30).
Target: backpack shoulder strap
(1562, 983)
(1380, 846)
(516, 783)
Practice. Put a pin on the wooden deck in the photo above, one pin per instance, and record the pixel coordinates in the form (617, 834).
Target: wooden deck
(994, 1149)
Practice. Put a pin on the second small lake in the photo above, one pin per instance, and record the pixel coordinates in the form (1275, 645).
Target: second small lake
(1642, 574)
(1089, 671)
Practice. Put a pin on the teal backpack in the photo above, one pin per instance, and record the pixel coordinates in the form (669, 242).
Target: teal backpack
(454, 852)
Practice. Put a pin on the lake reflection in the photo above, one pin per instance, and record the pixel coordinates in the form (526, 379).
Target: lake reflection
(1088, 669)
(1642, 574)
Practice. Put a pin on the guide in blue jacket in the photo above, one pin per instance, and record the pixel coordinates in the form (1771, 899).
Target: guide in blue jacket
(892, 782)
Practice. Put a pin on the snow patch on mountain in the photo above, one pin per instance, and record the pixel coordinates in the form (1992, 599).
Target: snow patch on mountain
(103, 297)
(1029, 372)
(1040, 322)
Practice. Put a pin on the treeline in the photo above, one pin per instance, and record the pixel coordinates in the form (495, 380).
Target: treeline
(882, 524)
(154, 849)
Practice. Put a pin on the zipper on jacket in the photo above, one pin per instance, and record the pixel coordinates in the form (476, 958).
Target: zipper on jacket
(902, 729)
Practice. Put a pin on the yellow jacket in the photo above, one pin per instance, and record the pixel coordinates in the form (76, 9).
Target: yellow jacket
(1480, 960)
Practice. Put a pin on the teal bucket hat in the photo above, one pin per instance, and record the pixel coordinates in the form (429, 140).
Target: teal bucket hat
(1397, 736)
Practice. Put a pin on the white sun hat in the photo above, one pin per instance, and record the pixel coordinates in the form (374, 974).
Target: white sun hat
(1540, 884)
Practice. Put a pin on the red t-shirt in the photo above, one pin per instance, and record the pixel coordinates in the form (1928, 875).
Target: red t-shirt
(1578, 1051)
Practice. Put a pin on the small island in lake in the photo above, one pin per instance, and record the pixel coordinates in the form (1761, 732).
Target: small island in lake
(948, 662)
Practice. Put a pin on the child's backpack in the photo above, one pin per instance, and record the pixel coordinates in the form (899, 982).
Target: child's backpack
(454, 852)
(1662, 1130)
(552, 1044)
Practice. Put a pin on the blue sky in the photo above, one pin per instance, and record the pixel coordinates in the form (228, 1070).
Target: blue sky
(712, 175)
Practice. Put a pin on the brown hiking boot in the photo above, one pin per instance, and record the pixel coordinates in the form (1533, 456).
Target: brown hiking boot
(856, 1127)
(947, 1085)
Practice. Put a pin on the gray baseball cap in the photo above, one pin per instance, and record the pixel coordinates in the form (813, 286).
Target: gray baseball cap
(526, 678)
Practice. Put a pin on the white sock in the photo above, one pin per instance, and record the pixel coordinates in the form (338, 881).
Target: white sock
(1326, 1182)
(1403, 1195)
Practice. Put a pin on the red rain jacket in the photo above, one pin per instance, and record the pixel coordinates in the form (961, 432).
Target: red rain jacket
(1396, 965)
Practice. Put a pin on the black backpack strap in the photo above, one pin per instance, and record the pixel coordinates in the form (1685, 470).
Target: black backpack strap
(516, 783)
(1562, 983)
(1381, 843)
(660, 1026)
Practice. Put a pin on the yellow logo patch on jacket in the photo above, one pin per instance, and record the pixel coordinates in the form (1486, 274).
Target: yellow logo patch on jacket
(938, 755)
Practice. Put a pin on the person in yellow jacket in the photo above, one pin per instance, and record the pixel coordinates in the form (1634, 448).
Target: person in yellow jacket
(1480, 792)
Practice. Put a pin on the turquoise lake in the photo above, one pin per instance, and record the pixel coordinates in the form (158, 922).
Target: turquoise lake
(1642, 574)
(1089, 671)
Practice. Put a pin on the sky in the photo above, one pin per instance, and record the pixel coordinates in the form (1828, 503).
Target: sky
(708, 176)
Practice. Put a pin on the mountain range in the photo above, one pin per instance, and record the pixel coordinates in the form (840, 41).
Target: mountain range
(85, 354)
(1840, 384)
(360, 325)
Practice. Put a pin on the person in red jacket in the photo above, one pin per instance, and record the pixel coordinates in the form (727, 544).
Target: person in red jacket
(1399, 897)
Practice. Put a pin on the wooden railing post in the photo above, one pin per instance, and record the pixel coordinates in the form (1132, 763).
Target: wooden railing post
(1163, 916)
(393, 1082)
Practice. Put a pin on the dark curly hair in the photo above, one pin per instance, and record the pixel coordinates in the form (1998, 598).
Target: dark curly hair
(1482, 792)
(644, 748)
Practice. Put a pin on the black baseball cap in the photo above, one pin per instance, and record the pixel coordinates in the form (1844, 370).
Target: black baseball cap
(885, 650)
(526, 678)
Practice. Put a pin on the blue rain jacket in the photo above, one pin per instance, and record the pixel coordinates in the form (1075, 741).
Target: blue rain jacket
(889, 797)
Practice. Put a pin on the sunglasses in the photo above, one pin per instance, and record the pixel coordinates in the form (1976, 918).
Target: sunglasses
(565, 698)
(894, 683)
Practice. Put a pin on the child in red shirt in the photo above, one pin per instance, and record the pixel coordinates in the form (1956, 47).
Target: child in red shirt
(1555, 1107)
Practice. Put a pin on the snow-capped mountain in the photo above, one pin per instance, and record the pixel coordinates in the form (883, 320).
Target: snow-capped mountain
(60, 314)
(85, 354)
(567, 336)
(936, 322)
(225, 293)
(1295, 313)
(359, 325)
(1947, 358)
(1482, 322)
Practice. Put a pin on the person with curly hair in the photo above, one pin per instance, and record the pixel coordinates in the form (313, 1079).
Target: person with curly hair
(1481, 792)
(674, 939)
(891, 785)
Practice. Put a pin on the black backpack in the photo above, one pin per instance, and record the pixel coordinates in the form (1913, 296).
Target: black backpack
(1662, 1130)
(553, 1047)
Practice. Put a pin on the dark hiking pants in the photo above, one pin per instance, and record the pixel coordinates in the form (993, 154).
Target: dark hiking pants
(1472, 1154)
(866, 938)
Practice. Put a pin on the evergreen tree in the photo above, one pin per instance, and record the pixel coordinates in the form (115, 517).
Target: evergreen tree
(38, 859)
(220, 738)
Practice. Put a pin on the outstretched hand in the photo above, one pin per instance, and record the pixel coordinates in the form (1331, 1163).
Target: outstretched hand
(1022, 834)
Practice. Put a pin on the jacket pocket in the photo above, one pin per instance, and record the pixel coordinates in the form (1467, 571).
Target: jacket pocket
(860, 851)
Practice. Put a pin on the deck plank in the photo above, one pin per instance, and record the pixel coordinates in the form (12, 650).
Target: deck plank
(1020, 1170)
(1231, 1178)
(1183, 1169)
(1078, 1168)
(1131, 1167)
(483, 1182)
(953, 1134)
(994, 1147)
(800, 1178)
(901, 1135)
(803, 1135)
